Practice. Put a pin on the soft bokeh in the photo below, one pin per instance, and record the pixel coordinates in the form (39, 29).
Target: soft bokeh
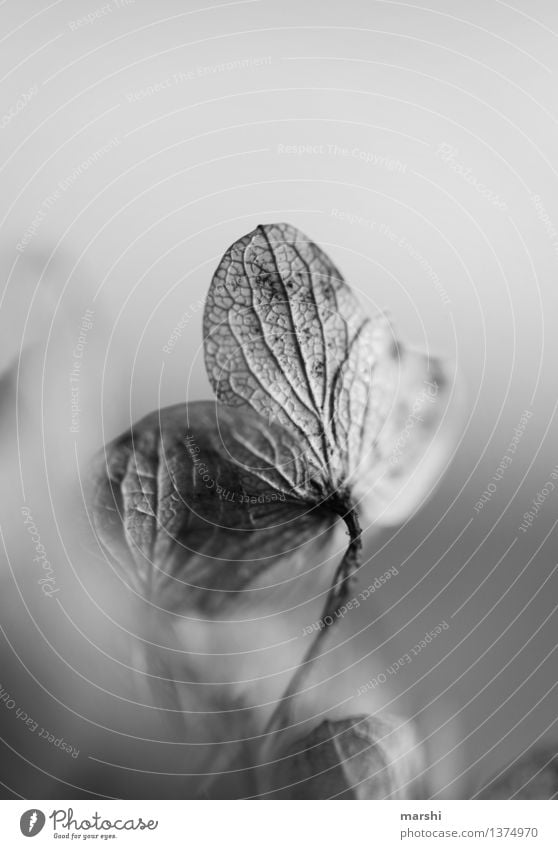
(417, 146)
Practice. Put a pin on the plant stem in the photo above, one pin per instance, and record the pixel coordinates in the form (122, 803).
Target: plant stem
(337, 595)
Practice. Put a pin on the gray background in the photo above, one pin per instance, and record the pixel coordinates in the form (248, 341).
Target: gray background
(135, 238)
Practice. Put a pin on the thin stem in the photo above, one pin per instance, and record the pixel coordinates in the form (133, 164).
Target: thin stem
(338, 593)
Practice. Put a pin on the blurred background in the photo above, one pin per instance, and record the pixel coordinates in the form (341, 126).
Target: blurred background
(417, 145)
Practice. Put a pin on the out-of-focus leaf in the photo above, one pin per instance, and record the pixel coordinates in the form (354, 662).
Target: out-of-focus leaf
(197, 500)
(361, 757)
(410, 431)
(535, 776)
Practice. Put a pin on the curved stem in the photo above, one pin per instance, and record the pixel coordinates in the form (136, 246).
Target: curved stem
(338, 593)
(281, 717)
